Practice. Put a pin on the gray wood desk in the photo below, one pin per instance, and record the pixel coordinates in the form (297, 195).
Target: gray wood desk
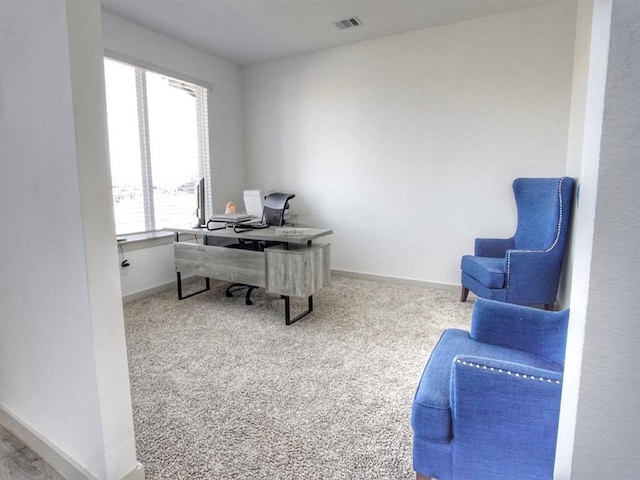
(289, 266)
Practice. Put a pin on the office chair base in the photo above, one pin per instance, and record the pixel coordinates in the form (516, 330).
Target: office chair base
(234, 287)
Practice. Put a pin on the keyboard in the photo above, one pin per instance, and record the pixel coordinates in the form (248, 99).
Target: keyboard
(249, 226)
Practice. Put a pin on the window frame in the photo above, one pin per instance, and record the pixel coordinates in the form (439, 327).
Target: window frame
(202, 114)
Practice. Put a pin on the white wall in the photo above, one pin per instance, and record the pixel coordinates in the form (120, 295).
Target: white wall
(607, 428)
(587, 106)
(407, 146)
(63, 367)
(128, 41)
(151, 266)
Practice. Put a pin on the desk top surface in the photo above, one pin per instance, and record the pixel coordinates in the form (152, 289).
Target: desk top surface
(286, 233)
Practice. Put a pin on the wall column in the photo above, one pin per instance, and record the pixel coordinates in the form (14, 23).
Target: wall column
(64, 384)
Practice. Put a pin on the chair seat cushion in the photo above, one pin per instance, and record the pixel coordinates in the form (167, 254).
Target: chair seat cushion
(431, 412)
(490, 272)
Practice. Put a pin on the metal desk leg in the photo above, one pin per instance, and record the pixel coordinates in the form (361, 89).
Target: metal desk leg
(287, 310)
(179, 278)
(179, 283)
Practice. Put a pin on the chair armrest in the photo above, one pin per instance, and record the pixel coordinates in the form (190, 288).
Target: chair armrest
(493, 247)
(504, 418)
(533, 271)
(541, 332)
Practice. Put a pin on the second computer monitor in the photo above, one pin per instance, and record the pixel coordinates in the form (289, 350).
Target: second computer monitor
(253, 203)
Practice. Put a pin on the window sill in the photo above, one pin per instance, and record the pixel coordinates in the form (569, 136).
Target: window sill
(136, 241)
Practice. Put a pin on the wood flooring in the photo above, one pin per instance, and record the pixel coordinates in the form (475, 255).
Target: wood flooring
(18, 462)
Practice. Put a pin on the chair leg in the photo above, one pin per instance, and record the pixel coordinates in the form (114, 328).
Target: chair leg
(419, 476)
(464, 294)
(234, 287)
(247, 298)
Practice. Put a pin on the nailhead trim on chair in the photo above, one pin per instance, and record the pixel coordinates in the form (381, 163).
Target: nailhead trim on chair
(508, 372)
(555, 241)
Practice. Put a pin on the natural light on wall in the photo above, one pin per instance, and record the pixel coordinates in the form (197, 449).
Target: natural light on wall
(159, 147)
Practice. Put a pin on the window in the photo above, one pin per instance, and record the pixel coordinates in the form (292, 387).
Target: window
(159, 147)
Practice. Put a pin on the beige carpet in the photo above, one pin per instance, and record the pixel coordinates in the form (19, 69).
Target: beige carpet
(222, 390)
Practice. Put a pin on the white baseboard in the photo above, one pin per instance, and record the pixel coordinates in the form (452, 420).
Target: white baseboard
(60, 461)
(33, 439)
(394, 280)
(135, 474)
(149, 291)
(340, 273)
(419, 283)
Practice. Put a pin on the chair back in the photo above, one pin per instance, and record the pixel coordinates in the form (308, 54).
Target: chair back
(275, 205)
(544, 209)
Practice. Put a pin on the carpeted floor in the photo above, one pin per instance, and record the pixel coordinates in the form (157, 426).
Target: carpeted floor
(222, 390)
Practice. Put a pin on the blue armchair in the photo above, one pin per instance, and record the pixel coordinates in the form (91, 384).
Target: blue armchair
(524, 269)
(488, 402)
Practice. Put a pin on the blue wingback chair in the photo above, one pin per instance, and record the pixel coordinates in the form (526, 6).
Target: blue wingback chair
(524, 269)
(488, 402)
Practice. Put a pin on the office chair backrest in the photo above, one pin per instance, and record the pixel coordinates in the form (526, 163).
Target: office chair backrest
(275, 205)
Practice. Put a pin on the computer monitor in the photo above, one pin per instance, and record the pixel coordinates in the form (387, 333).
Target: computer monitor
(253, 203)
(201, 201)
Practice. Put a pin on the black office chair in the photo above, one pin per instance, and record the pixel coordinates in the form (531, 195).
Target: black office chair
(275, 205)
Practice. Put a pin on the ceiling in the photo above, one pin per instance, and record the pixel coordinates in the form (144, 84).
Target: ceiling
(247, 32)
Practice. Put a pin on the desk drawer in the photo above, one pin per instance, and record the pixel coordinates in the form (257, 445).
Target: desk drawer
(221, 263)
(299, 271)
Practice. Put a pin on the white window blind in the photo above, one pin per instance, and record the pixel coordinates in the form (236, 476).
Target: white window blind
(159, 147)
